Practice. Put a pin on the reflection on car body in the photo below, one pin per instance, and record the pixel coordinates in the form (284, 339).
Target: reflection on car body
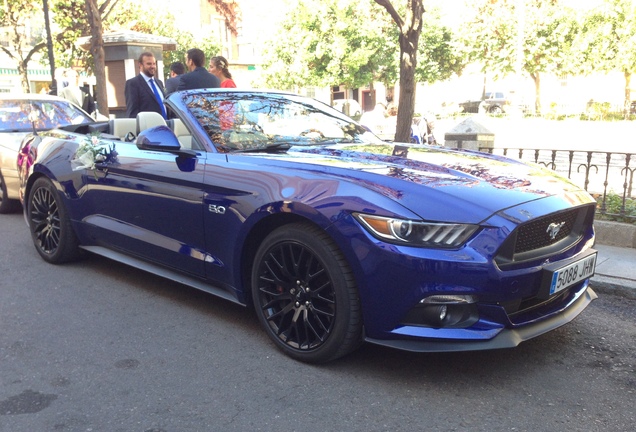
(281, 203)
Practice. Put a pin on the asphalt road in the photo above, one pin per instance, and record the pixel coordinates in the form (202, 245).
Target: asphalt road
(97, 346)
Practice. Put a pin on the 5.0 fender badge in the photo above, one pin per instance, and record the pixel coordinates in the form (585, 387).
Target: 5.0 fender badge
(216, 209)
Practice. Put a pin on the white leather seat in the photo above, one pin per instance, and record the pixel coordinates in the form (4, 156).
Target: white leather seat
(121, 127)
(149, 119)
(182, 133)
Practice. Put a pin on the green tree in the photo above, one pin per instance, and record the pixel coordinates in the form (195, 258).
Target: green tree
(324, 43)
(17, 17)
(70, 17)
(607, 41)
(438, 55)
(409, 24)
(548, 30)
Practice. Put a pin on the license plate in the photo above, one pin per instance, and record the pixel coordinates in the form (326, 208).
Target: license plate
(572, 273)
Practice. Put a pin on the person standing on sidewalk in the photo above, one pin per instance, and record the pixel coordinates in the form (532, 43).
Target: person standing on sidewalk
(176, 70)
(145, 92)
(198, 77)
(219, 68)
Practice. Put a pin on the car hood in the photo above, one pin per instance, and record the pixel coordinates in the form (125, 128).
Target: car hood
(438, 183)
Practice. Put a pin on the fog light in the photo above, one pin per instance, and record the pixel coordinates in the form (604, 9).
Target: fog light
(433, 315)
(443, 309)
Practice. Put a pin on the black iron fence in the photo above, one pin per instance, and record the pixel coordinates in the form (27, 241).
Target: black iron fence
(609, 176)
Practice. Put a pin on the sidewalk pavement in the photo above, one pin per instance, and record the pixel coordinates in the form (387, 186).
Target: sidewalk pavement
(616, 245)
(615, 271)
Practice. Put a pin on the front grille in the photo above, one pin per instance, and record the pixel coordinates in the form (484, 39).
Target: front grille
(545, 236)
(534, 235)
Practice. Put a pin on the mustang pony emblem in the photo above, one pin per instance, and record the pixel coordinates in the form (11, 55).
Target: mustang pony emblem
(553, 229)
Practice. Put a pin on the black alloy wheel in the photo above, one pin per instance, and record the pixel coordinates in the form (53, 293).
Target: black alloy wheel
(50, 226)
(305, 296)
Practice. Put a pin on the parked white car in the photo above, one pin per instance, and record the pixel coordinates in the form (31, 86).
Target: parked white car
(53, 112)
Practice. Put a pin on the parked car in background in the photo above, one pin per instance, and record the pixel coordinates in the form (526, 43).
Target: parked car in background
(15, 123)
(355, 110)
(493, 103)
(334, 237)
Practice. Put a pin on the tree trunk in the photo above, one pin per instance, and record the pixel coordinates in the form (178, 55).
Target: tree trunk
(628, 91)
(17, 42)
(49, 47)
(372, 96)
(97, 51)
(406, 104)
(410, 28)
(536, 77)
(24, 78)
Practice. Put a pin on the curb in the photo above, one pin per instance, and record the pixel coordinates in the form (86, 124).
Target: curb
(614, 286)
(615, 234)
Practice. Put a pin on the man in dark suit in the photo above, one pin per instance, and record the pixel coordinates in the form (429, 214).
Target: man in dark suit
(198, 77)
(176, 70)
(144, 92)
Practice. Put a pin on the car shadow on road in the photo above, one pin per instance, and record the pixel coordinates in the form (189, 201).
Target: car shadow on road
(171, 291)
(557, 350)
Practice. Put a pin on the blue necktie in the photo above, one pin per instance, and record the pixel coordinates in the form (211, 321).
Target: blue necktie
(159, 98)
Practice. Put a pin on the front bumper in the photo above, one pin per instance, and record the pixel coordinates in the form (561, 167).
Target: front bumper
(485, 335)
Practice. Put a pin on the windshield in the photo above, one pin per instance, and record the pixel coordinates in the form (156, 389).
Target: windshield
(17, 115)
(244, 121)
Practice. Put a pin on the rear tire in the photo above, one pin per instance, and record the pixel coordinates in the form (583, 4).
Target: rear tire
(305, 295)
(50, 225)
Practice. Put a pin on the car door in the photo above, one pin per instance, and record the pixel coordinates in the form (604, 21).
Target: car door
(149, 204)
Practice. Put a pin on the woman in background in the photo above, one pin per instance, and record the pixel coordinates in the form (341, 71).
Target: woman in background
(219, 68)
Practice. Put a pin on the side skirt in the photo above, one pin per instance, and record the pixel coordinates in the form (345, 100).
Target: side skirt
(162, 272)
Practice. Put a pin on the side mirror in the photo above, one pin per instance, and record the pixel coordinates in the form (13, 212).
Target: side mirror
(158, 138)
(161, 138)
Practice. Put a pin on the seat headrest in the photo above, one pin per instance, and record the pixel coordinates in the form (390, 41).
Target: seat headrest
(179, 128)
(149, 119)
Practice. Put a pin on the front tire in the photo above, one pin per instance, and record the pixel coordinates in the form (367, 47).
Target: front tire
(50, 225)
(305, 295)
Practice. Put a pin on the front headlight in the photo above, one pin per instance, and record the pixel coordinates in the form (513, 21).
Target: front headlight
(417, 233)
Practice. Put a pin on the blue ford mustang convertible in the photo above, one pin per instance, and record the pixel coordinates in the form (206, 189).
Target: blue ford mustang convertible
(333, 236)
